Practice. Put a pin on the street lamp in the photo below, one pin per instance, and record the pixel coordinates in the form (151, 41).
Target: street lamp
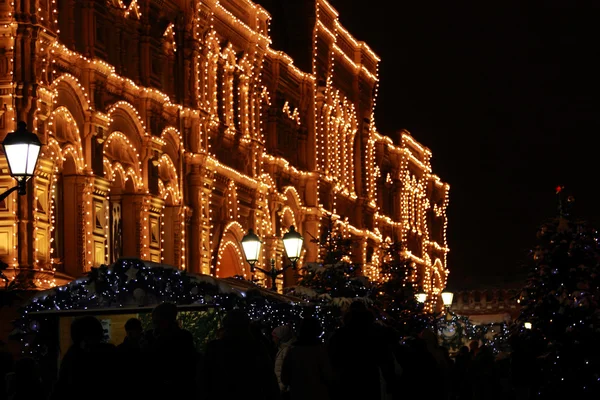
(292, 243)
(251, 245)
(447, 298)
(421, 297)
(22, 149)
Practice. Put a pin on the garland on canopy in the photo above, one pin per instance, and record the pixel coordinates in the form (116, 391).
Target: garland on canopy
(135, 283)
(456, 331)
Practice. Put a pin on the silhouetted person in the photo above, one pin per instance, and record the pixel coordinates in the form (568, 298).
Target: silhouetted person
(462, 367)
(87, 359)
(25, 382)
(482, 374)
(237, 365)
(523, 368)
(171, 356)
(419, 370)
(359, 357)
(441, 371)
(6, 366)
(473, 348)
(133, 361)
(134, 335)
(283, 337)
(257, 331)
(306, 367)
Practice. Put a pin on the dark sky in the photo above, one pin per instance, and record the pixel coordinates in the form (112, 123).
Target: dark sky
(507, 99)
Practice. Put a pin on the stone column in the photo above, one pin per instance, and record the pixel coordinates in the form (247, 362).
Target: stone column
(199, 186)
(77, 223)
(136, 236)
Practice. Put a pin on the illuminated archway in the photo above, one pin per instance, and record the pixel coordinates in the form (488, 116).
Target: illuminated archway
(230, 258)
(65, 151)
(123, 169)
(167, 231)
(231, 262)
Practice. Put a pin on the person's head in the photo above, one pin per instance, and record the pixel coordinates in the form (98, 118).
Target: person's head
(236, 322)
(134, 329)
(445, 351)
(464, 350)
(164, 316)
(282, 334)
(309, 330)
(474, 345)
(87, 332)
(358, 315)
(429, 338)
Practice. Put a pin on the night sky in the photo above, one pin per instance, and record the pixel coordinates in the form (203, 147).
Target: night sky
(507, 99)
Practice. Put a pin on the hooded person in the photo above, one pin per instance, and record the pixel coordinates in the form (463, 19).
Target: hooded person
(283, 337)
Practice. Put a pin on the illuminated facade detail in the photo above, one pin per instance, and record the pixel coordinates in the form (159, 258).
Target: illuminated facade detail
(487, 305)
(168, 144)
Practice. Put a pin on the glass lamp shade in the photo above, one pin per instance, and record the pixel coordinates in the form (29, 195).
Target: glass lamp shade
(251, 244)
(421, 297)
(292, 242)
(22, 149)
(447, 298)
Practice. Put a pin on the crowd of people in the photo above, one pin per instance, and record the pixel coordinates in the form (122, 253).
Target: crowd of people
(361, 360)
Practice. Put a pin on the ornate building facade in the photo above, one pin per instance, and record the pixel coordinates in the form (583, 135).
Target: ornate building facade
(488, 305)
(172, 127)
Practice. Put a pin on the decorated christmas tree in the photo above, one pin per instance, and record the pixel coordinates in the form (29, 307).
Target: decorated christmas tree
(335, 280)
(396, 293)
(559, 305)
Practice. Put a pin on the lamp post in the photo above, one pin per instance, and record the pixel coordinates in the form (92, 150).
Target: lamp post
(292, 244)
(22, 149)
(447, 298)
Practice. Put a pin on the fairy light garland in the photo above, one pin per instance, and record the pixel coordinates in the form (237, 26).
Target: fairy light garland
(335, 126)
(170, 36)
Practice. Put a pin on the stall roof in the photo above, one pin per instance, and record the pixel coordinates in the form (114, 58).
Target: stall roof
(117, 310)
(235, 286)
(244, 286)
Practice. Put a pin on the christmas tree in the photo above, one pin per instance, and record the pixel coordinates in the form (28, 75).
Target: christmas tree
(335, 280)
(559, 305)
(396, 293)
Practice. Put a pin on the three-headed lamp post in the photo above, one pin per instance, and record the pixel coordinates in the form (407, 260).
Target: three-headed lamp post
(447, 298)
(22, 149)
(292, 244)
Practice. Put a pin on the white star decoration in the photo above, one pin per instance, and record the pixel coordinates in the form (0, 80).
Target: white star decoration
(131, 274)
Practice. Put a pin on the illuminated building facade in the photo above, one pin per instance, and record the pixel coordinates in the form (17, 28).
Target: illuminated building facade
(171, 127)
(487, 305)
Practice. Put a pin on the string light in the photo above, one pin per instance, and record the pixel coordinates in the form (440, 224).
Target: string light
(232, 93)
